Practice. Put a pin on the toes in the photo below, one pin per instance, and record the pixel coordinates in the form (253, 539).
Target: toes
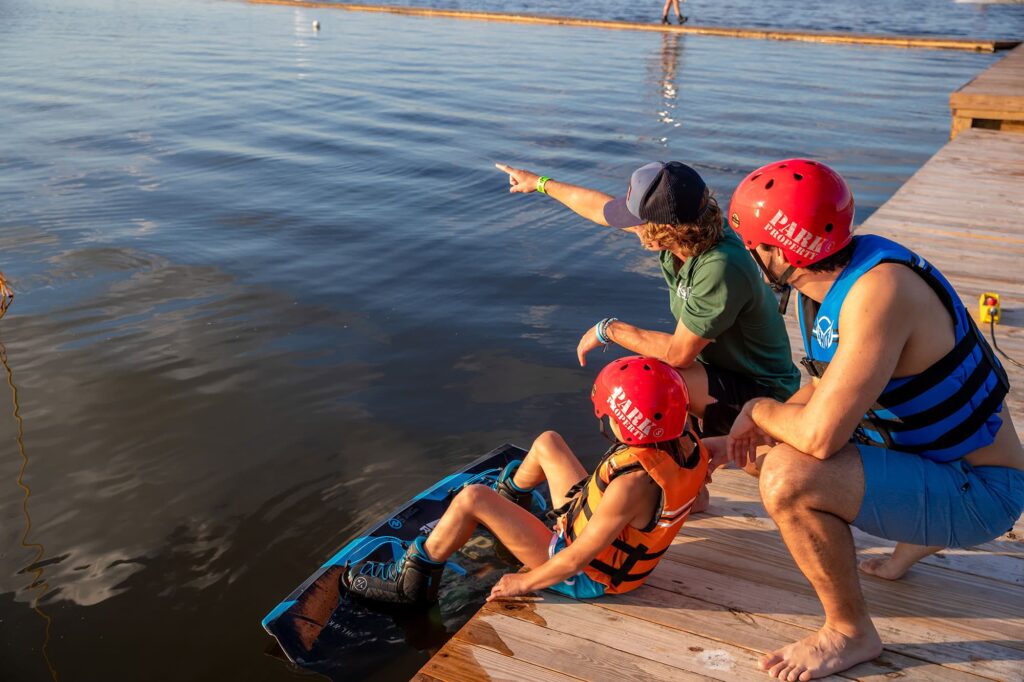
(769, 660)
(804, 676)
(779, 669)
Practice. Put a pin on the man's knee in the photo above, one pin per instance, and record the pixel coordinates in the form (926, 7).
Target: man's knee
(786, 478)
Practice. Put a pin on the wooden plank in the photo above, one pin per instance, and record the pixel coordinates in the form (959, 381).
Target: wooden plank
(1001, 86)
(943, 641)
(988, 608)
(585, 641)
(682, 651)
(922, 42)
(761, 632)
(458, 661)
(993, 99)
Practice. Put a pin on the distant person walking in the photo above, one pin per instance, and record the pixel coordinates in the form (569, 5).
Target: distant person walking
(679, 15)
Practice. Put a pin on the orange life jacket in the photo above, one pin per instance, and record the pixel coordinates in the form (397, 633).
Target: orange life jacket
(626, 563)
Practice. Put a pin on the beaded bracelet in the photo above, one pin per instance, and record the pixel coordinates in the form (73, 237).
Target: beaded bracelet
(601, 330)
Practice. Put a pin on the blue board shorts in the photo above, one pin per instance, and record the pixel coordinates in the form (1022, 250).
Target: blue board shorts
(580, 586)
(908, 498)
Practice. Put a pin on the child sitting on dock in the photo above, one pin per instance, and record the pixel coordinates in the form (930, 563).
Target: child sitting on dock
(613, 524)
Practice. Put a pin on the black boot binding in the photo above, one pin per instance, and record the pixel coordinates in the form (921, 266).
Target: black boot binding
(413, 580)
(509, 490)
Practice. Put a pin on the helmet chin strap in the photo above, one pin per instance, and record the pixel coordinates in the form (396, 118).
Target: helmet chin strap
(610, 437)
(779, 285)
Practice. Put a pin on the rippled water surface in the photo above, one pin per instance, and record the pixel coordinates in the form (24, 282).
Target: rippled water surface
(269, 284)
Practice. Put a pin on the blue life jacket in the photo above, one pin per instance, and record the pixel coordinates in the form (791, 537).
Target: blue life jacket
(945, 412)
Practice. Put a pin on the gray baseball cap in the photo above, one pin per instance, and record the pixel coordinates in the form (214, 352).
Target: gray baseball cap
(670, 193)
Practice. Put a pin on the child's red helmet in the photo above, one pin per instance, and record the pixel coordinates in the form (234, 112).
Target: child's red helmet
(645, 397)
(802, 206)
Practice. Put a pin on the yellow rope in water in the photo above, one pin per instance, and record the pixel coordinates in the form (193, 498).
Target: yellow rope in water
(38, 584)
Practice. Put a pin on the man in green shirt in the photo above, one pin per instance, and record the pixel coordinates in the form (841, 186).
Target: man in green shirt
(730, 343)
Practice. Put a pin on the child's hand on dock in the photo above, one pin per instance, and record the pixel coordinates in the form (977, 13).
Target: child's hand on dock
(510, 585)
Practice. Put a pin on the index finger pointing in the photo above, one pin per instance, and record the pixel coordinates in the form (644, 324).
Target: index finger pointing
(503, 167)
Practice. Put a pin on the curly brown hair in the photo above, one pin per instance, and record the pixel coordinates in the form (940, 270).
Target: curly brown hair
(693, 238)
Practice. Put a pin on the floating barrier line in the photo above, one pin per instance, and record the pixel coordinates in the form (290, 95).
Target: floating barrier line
(927, 42)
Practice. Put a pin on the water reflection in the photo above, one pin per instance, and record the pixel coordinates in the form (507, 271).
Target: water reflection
(303, 29)
(671, 53)
(38, 587)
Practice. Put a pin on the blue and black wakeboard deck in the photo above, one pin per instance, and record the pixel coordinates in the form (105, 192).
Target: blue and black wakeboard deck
(322, 628)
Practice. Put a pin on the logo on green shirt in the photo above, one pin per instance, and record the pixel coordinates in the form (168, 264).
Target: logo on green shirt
(683, 291)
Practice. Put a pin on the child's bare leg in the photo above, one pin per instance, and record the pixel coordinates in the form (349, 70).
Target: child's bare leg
(520, 531)
(550, 459)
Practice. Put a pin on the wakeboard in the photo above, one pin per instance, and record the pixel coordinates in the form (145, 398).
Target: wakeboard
(320, 627)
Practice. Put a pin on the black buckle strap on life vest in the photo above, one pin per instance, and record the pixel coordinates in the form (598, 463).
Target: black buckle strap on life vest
(927, 379)
(624, 546)
(815, 368)
(964, 429)
(570, 497)
(629, 468)
(809, 313)
(944, 409)
(621, 574)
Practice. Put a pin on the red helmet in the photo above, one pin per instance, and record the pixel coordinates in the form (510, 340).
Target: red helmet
(646, 397)
(803, 207)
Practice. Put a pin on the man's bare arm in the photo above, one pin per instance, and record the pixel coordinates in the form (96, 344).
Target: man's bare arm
(679, 349)
(586, 202)
(875, 324)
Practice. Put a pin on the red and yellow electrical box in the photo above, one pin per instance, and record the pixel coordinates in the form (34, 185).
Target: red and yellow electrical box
(988, 308)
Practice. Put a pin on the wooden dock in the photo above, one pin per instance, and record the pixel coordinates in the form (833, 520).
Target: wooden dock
(994, 100)
(835, 37)
(728, 591)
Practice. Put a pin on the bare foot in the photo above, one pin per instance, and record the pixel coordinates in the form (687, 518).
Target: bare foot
(702, 501)
(825, 652)
(896, 565)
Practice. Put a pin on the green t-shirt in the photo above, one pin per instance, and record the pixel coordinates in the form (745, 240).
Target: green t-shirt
(720, 295)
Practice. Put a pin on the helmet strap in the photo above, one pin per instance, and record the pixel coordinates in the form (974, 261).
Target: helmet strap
(606, 432)
(778, 284)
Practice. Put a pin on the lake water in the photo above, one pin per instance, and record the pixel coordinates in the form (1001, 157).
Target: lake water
(269, 284)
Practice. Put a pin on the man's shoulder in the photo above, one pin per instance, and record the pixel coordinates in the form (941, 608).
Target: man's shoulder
(886, 292)
(888, 281)
(725, 261)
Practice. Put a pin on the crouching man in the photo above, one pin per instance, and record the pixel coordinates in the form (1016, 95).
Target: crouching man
(614, 524)
(902, 431)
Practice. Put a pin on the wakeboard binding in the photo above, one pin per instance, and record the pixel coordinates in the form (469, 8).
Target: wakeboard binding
(412, 580)
(509, 490)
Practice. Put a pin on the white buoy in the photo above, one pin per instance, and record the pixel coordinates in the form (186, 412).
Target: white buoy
(316, 25)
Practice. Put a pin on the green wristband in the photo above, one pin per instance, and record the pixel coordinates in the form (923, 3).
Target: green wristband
(542, 182)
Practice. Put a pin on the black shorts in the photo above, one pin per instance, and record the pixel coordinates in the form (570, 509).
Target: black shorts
(731, 391)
